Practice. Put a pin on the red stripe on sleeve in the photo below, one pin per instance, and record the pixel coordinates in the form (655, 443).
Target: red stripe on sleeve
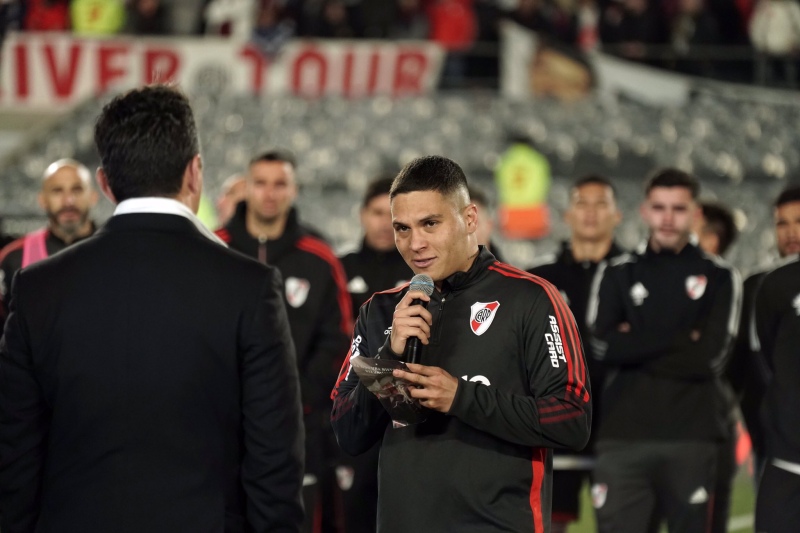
(321, 250)
(10, 247)
(579, 372)
(342, 373)
(537, 464)
(576, 372)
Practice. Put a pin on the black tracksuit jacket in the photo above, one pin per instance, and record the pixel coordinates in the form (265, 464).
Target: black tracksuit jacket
(777, 319)
(316, 300)
(369, 271)
(574, 280)
(747, 371)
(661, 384)
(485, 466)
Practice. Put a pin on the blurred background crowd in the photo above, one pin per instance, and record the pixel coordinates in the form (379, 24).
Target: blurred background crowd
(726, 39)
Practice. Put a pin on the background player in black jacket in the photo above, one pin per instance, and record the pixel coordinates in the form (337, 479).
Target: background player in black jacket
(266, 227)
(664, 319)
(777, 320)
(376, 266)
(503, 376)
(747, 370)
(592, 217)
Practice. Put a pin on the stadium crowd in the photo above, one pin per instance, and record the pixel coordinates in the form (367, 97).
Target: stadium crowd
(703, 37)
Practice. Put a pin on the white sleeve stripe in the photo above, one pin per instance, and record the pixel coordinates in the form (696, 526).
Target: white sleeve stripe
(755, 342)
(594, 295)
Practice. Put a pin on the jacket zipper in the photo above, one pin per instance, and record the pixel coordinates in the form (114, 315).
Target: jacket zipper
(262, 250)
(436, 323)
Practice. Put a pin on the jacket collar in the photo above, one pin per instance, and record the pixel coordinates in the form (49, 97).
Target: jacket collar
(149, 221)
(565, 255)
(165, 206)
(367, 253)
(690, 250)
(461, 280)
(242, 239)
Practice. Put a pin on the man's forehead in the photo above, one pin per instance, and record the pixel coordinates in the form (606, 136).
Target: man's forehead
(421, 204)
(592, 189)
(380, 201)
(66, 171)
(672, 194)
(789, 209)
(271, 169)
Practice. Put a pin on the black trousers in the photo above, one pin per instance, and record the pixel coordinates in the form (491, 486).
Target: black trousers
(360, 495)
(778, 501)
(726, 471)
(639, 482)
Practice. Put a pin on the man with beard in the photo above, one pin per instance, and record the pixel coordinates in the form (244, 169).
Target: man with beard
(266, 227)
(66, 196)
(663, 321)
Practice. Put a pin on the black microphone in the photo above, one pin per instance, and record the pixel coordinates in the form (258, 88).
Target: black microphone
(422, 283)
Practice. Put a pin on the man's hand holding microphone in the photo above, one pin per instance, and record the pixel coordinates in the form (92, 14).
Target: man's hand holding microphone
(411, 326)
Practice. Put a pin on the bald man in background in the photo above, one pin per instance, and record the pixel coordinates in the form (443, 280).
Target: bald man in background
(67, 197)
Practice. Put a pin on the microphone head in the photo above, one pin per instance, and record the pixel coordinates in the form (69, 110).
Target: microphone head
(422, 283)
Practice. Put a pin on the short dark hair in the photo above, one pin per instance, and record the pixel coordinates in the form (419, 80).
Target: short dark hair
(377, 187)
(672, 177)
(430, 173)
(719, 219)
(788, 195)
(277, 155)
(594, 179)
(145, 139)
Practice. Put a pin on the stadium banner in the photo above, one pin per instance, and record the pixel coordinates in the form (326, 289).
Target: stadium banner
(530, 67)
(51, 70)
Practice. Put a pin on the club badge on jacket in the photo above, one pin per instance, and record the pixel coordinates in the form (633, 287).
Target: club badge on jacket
(297, 291)
(482, 315)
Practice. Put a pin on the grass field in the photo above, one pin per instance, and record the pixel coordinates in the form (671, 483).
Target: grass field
(742, 507)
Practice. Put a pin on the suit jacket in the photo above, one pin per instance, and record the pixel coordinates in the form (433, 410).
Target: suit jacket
(148, 383)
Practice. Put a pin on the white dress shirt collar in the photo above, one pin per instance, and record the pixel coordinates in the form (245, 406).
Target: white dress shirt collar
(165, 206)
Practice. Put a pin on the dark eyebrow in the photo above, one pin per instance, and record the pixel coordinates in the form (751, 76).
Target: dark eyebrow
(423, 220)
(431, 217)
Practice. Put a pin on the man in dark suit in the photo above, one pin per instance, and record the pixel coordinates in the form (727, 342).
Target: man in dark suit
(147, 375)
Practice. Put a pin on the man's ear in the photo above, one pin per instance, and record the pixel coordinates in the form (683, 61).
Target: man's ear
(102, 182)
(471, 217)
(193, 177)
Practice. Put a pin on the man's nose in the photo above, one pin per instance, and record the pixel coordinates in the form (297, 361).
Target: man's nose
(418, 240)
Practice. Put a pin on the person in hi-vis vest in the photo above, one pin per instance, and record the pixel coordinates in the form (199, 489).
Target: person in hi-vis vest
(67, 197)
